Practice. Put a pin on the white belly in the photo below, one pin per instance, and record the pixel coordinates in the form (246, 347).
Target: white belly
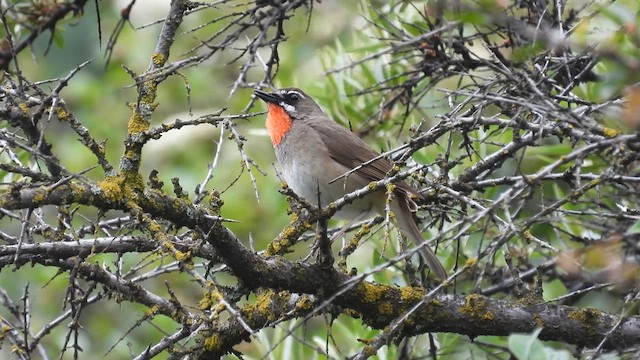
(313, 183)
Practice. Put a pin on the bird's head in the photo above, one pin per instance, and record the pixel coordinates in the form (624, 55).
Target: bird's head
(284, 107)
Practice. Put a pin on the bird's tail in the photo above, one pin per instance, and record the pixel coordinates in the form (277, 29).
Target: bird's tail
(409, 228)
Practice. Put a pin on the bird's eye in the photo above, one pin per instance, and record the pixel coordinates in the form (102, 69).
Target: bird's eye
(294, 96)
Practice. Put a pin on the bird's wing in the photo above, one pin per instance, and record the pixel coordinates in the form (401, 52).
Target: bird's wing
(349, 150)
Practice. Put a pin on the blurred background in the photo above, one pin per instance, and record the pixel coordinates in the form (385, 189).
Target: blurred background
(329, 35)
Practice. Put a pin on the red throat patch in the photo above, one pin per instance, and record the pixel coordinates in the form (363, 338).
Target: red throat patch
(278, 123)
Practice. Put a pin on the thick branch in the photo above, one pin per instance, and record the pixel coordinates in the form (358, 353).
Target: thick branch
(471, 315)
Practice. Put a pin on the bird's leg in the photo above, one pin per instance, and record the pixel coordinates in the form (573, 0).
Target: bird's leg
(320, 244)
(323, 244)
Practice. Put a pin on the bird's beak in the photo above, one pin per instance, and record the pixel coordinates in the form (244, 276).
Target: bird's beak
(269, 97)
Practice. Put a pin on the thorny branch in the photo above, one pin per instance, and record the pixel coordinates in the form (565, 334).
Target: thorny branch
(526, 168)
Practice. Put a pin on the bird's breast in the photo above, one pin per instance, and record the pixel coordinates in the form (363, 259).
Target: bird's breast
(278, 123)
(311, 173)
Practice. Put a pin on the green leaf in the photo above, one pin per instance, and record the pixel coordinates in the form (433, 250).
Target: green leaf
(473, 17)
(527, 346)
(553, 289)
(634, 229)
(525, 53)
(58, 39)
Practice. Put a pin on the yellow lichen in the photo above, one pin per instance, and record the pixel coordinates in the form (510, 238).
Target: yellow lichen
(369, 351)
(353, 313)
(137, 124)
(152, 311)
(158, 59)
(586, 315)
(410, 321)
(63, 115)
(471, 262)
(371, 292)
(386, 308)
(390, 189)
(24, 108)
(40, 196)
(609, 132)
(133, 183)
(212, 343)
(476, 306)
(155, 228)
(219, 307)
(182, 256)
(262, 307)
(410, 294)
(206, 301)
(131, 154)
(286, 240)
(538, 320)
(211, 296)
(111, 187)
(149, 94)
(304, 303)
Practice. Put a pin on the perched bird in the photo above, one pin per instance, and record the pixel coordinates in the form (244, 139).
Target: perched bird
(313, 151)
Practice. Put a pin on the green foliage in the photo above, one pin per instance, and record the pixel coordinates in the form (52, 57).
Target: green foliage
(528, 347)
(360, 72)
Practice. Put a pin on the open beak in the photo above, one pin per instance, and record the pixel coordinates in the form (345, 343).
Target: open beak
(269, 97)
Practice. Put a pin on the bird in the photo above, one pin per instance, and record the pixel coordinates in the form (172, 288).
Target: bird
(313, 151)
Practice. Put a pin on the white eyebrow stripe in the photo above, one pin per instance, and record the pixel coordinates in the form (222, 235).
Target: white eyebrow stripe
(295, 92)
